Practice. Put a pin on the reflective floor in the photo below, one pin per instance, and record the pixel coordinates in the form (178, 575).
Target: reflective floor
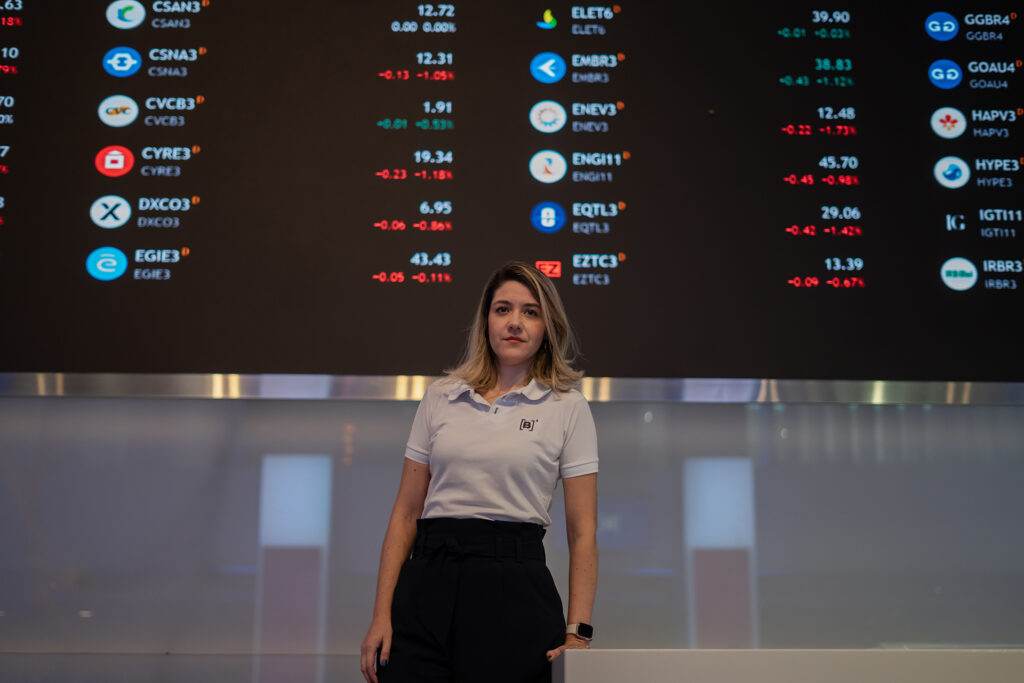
(178, 668)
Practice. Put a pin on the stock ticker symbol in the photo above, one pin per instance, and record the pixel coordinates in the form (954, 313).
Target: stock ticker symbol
(122, 62)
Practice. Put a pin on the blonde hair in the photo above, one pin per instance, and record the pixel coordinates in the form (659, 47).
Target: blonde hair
(553, 363)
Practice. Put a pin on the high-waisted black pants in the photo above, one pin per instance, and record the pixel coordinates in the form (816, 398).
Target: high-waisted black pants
(475, 603)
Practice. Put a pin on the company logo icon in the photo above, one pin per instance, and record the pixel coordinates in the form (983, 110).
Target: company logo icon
(955, 222)
(959, 274)
(110, 211)
(118, 111)
(945, 74)
(948, 122)
(941, 26)
(547, 67)
(548, 21)
(548, 166)
(114, 161)
(125, 14)
(548, 116)
(106, 263)
(952, 172)
(548, 217)
(122, 62)
(550, 268)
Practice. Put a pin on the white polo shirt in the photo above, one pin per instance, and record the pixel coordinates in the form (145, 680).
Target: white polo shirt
(500, 461)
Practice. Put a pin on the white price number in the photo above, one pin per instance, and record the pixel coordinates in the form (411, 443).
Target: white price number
(422, 258)
(443, 208)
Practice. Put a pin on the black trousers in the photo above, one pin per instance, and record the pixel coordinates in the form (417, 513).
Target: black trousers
(475, 603)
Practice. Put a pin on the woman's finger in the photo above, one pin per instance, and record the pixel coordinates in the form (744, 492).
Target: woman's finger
(385, 650)
(553, 654)
(363, 668)
(366, 663)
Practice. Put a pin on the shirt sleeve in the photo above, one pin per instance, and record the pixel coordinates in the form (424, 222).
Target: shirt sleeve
(417, 448)
(579, 453)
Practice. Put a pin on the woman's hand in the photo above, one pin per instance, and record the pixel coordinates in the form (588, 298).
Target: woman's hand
(572, 642)
(378, 637)
(398, 540)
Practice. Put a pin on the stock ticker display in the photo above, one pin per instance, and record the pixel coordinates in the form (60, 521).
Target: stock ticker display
(740, 189)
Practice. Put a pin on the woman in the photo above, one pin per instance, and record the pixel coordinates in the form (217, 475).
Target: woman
(475, 601)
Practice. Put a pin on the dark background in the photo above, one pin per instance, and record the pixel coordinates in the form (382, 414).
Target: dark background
(283, 245)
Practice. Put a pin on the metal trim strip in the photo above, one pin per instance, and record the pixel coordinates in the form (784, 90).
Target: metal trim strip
(596, 389)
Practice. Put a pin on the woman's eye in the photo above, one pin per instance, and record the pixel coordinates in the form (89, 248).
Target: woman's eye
(532, 312)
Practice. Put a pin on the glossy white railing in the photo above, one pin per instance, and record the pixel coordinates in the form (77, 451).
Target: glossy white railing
(791, 666)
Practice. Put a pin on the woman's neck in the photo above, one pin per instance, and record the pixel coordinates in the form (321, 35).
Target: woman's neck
(510, 378)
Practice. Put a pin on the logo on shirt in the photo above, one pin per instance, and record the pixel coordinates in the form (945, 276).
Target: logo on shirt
(527, 425)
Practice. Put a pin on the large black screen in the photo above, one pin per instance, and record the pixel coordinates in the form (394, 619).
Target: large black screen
(736, 189)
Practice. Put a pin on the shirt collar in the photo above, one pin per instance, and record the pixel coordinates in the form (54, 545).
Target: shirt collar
(458, 390)
(534, 391)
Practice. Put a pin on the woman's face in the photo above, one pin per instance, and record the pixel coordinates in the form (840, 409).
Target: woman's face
(515, 327)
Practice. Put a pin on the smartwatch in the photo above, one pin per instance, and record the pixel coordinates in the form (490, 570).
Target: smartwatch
(584, 631)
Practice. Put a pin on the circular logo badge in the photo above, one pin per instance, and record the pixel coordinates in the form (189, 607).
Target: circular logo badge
(941, 26)
(106, 263)
(114, 161)
(948, 122)
(548, 217)
(118, 111)
(548, 166)
(945, 74)
(110, 211)
(548, 67)
(959, 274)
(122, 62)
(548, 116)
(952, 172)
(125, 14)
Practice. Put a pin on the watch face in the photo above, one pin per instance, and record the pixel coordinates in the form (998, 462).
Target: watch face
(585, 630)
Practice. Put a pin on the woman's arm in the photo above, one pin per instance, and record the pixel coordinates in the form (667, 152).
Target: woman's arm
(581, 530)
(397, 545)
